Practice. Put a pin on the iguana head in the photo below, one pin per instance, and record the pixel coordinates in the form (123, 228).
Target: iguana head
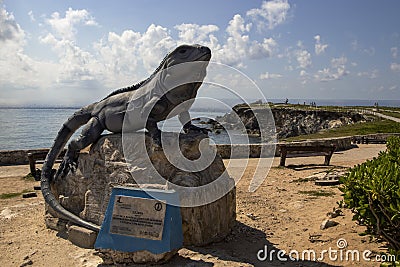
(183, 71)
(187, 53)
(181, 54)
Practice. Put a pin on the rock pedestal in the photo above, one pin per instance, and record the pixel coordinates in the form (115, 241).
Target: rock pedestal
(86, 192)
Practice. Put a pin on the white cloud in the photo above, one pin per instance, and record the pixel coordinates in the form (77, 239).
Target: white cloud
(154, 44)
(319, 47)
(394, 51)
(239, 46)
(132, 48)
(271, 14)
(236, 46)
(9, 29)
(356, 46)
(338, 62)
(116, 60)
(392, 88)
(336, 71)
(395, 67)
(75, 67)
(75, 64)
(119, 59)
(237, 26)
(65, 27)
(15, 66)
(369, 51)
(303, 57)
(267, 76)
(21, 77)
(194, 34)
(304, 77)
(303, 73)
(259, 50)
(370, 74)
(31, 16)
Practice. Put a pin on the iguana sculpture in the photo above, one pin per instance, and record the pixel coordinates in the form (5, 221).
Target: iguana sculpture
(150, 101)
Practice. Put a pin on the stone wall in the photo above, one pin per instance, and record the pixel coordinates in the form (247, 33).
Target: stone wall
(241, 151)
(378, 136)
(20, 157)
(17, 157)
(245, 151)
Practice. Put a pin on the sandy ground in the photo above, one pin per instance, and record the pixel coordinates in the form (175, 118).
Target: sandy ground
(283, 214)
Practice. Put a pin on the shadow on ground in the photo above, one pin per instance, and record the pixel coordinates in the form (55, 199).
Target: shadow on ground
(239, 248)
(302, 167)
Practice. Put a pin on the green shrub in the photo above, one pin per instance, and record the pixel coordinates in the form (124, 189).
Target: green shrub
(372, 191)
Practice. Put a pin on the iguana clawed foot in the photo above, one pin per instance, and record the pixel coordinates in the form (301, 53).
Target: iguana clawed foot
(68, 164)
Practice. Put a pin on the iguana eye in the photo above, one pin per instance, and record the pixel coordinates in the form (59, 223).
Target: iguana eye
(182, 51)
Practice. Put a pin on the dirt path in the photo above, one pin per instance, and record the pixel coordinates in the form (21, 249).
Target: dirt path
(285, 213)
(383, 115)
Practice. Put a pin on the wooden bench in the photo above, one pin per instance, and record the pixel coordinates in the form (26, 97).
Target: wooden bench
(327, 151)
(38, 158)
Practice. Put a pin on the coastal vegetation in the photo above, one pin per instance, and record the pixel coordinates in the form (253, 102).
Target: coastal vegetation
(372, 191)
(362, 128)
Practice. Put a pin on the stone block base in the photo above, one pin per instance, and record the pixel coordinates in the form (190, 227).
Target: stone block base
(86, 193)
(81, 237)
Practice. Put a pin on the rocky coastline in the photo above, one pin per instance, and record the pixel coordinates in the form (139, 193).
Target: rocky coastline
(288, 122)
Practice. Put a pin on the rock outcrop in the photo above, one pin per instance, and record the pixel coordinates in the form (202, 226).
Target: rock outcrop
(288, 122)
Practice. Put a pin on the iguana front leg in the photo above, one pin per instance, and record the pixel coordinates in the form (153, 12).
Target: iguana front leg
(90, 133)
(154, 107)
(185, 120)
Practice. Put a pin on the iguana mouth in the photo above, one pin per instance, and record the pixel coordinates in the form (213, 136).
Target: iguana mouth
(205, 57)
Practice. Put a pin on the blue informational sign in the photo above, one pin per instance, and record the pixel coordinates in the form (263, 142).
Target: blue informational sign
(136, 221)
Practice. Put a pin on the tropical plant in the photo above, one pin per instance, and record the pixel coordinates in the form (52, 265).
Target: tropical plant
(372, 191)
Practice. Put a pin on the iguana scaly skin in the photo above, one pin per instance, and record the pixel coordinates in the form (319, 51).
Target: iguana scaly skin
(151, 103)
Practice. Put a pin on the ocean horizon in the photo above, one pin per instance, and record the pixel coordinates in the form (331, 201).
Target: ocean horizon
(199, 106)
(36, 126)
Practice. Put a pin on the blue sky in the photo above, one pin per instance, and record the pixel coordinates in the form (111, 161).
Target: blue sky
(75, 52)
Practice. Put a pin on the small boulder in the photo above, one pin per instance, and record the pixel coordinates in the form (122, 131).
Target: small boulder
(328, 223)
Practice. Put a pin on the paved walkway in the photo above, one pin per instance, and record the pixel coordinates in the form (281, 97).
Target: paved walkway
(381, 115)
(388, 117)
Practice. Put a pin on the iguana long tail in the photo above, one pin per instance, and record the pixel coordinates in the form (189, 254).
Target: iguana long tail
(79, 118)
